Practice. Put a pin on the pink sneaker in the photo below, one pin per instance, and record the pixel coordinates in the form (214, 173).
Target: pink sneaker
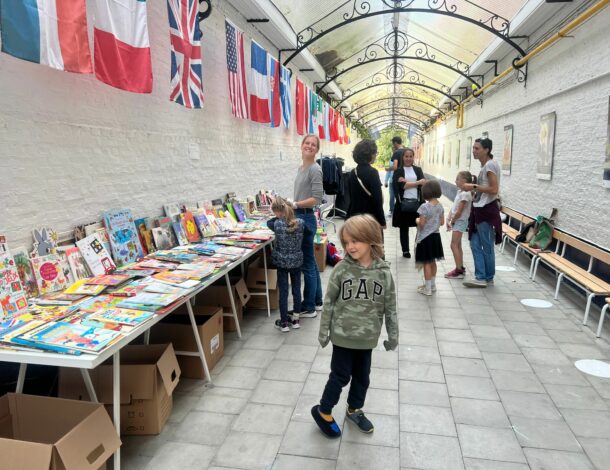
(456, 274)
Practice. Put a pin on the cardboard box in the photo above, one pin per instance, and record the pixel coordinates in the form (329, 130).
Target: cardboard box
(319, 251)
(255, 278)
(177, 329)
(217, 295)
(149, 375)
(259, 302)
(42, 433)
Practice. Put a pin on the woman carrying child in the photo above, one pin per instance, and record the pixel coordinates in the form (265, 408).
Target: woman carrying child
(428, 245)
(457, 223)
(287, 256)
(359, 297)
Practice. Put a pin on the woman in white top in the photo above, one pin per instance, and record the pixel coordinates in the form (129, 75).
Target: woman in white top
(408, 180)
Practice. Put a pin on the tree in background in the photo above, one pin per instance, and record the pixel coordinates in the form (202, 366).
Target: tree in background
(384, 144)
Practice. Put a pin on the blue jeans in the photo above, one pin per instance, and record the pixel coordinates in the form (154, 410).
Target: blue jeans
(282, 283)
(312, 291)
(482, 246)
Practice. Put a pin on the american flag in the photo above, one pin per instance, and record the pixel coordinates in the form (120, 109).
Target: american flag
(238, 92)
(185, 38)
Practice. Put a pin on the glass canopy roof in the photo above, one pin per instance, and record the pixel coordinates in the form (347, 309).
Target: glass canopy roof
(398, 59)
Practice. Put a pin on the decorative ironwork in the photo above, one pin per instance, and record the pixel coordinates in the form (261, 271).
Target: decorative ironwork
(397, 99)
(394, 110)
(395, 118)
(204, 14)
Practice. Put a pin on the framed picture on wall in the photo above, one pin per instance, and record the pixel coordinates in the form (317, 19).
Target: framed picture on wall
(546, 147)
(607, 163)
(457, 153)
(485, 135)
(507, 151)
(468, 153)
(449, 155)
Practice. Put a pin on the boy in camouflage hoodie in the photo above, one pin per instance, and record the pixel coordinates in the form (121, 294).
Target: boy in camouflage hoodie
(359, 297)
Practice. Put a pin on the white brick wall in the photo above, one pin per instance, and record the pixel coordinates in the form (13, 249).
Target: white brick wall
(572, 78)
(71, 146)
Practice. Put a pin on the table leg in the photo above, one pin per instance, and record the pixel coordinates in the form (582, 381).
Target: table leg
(21, 378)
(233, 308)
(147, 336)
(189, 308)
(266, 282)
(89, 385)
(116, 403)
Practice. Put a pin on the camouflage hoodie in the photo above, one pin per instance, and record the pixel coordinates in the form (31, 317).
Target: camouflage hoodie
(357, 300)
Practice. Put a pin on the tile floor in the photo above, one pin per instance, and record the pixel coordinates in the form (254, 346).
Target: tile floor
(479, 382)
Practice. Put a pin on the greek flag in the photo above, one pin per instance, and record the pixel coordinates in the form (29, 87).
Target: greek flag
(285, 95)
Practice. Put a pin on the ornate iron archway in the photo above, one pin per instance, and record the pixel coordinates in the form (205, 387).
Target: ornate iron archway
(394, 110)
(395, 99)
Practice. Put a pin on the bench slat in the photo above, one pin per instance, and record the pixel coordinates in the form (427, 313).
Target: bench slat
(590, 281)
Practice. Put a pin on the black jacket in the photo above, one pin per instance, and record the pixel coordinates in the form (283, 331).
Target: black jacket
(398, 218)
(359, 201)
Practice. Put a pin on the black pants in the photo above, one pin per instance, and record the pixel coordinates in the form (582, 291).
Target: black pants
(282, 282)
(404, 238)
(345, 364)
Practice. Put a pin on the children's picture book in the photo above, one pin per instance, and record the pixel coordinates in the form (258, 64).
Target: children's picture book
(58, 298)
(122, 316)
(145, 235)
(108, 279)
(239, 211)
(45, 241)
(166, 222)
(65, 266)
(12, 295)
(95, 255)
(102, 233)
(24, 269)
(81, 287)
(180, 233)
(93, 304)
(148, 301)
(124, 240)
(3, 244)
(172, 211)
(190, 227)
(77, 263)
(49, 274)
(162, 237)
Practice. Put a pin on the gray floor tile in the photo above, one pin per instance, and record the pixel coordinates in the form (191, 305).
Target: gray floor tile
(315, 383)
(386, 431)
(480, 319)
(257, 358)
(479, 464)
(542, 459)
(367, 457)
(588, 423)
(384, 378)
(182, 405)
(305, 439)
(515, 316)
(471, 387)
(598, 450)
(269, 342)
(548, 357)
(494, 345)
(545, 434)
(582, 351)
(385, 359)
(263, 418)
(430, 452)
(559, 375)
(181, 456)
(276, 392)
(580, 337)
(448, 334)
(553, 324)
(569, 396)
(456, 349)
(534, 341)
(381, 401)
(600, 384)
(464, 366)
(423, 393)
(479, 412)
(449, 322)
(425, 354)
(529, 405)
(524, 328)
(503, 361)
(297, 352)
(489, 443)
(517, 381)
(427, 420)
(195, 428)
(421, 372)
(293, 462)
(248, 450)
(417, 338)
(486, 331)
(238, 377)
(290, 371)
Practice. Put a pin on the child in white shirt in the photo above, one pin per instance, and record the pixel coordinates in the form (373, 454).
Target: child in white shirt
(457, 223)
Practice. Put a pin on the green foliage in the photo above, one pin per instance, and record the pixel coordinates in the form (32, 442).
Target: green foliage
(384, 144)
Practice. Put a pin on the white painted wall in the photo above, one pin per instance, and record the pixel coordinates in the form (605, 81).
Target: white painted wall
(72, 147)
(572, 79)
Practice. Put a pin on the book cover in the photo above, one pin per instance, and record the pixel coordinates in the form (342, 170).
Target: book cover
(63, 262)
(49, 274)
(81, 287)
(95, 255)
(24, 269)
(121, 316)
(172, 211)
(239, 211)
(190, 227)
(124, 240)
(93, 304)
(45, 241)
(148, 301)
(108, 279)
(162, 237)
(145, 234)
(98, 228)
(12, 295)
(58, 298)
(77, 263)
(180, 233)
(72, 336)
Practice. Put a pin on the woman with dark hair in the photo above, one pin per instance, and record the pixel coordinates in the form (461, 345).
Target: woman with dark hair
(408, 180)
(484, 224)
(364, 184)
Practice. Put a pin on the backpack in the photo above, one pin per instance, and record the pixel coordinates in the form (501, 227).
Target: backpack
(527, 232)
(544, 234)
(332, 254)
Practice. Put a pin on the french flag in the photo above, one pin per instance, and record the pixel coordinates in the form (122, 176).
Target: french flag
(259, 98)
(122, 48)
(275, 109)
(48, 32)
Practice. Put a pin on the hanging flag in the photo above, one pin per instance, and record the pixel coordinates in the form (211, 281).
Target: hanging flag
(332, 123)
(320, 117)
(285, 95)
(275, 110)
(122, 49)
(301, 107)
(348, 133)
(313, 104)
(185, 45)
(326, 127)
(259, 93)
(48, 32)
(238, 91)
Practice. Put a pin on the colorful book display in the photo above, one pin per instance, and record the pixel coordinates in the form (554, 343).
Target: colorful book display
(12, 294)
(48, 273)
(124, 240)
(172, 211)
(45, 241)
(24, 269)
(180, 233)
(190, 227)
(145, 235)
(77, 264)
(95, 255)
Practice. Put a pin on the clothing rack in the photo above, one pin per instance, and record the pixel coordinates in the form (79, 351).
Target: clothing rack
(328, 208)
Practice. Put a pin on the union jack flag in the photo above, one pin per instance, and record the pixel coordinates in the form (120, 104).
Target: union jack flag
(185, 39)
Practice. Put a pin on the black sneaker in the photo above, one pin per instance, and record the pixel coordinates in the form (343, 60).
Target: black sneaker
(308, 314)
(363, 423)
(406, 254)
(283, 326)
(329, 428)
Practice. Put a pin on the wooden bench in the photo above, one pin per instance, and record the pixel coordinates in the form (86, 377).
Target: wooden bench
(601, 317)
(509, 234)
(590, 283)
